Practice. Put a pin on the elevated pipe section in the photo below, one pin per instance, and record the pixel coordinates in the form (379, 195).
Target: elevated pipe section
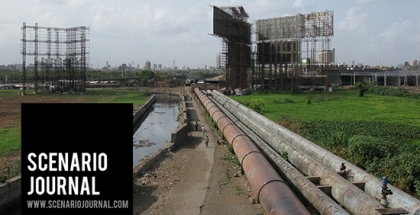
(272, 191)
(275, 134)
(319, 200)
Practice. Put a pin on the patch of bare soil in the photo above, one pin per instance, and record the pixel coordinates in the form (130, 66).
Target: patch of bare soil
(411, 89)
(166, 182)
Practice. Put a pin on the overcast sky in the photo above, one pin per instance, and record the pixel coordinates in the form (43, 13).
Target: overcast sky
(376, 32)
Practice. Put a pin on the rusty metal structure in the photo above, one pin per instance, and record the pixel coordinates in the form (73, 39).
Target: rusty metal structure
(230, 24)
(293, 51)
(64, 54)
(271, 190)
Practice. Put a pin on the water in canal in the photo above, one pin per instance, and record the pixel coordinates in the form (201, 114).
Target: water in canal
(156, 128)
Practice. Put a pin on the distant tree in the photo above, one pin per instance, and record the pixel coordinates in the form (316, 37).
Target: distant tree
(362, 87)
(146, 75)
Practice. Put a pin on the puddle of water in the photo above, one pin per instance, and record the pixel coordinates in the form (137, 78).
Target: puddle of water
(155, 130)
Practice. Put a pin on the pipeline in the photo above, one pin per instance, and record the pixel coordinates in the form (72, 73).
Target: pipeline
(319, 200)
(279, 136)
(272, 191)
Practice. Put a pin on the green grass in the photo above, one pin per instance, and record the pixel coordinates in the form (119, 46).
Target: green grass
(118, 96)
(92, 96)
(231, 158)
(10, 140)
(339, 106)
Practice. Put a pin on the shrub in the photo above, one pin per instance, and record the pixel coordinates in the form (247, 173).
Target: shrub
(363, 150)
(256, 105)
(362, 87)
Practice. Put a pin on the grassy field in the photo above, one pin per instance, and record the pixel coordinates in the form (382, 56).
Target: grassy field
(340, 105)
(9, 140)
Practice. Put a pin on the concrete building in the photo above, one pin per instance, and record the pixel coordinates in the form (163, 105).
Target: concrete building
(327, 57)
(147, 65)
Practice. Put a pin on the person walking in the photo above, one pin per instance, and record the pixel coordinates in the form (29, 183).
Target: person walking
(203, 130)
(206, 140)
(196, 126)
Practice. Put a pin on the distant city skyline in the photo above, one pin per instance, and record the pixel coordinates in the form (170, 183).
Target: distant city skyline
(371, 32)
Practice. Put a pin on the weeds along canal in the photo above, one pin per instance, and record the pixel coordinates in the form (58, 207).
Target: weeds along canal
(155, 129)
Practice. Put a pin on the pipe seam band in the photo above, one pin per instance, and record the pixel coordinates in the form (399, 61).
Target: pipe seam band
(215, 112)
(243, 158)
(224, 103)
(211, 107)
(208, 99)
(217, 121)
(223, 130)
(233, 140)
(204, 101)
(267, 182)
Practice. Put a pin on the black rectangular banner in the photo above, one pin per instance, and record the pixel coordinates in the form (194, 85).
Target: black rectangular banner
(77, 159)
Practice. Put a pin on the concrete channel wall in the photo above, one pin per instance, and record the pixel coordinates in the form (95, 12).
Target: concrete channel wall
(10, 193)
(301, 150)
(177, 138)
(138, 112)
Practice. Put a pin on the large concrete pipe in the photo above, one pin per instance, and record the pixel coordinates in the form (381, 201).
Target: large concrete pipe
(273, 193)
(373, 185)
(319, 200)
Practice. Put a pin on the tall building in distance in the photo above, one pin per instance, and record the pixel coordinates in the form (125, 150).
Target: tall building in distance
(147, 65)
(326, 57)
(218, 61)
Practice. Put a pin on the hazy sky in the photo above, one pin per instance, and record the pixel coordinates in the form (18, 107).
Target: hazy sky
(124, 31)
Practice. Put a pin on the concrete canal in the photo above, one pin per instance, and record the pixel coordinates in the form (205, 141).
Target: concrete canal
(155, 130)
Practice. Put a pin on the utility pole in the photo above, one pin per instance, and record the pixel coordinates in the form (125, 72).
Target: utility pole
(174, 63)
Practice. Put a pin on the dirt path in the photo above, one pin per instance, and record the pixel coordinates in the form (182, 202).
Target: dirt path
(194, 179)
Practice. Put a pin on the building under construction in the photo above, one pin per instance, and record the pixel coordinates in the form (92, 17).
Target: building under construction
(289, 52)
(60, 58)
(230, 23)
(293, 51)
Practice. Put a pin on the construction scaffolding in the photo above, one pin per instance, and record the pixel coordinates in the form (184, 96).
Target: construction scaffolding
(230, 24)
(64, 59)
(293, 51)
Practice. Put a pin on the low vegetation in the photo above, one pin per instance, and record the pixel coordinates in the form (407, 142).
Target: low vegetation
(379, 131)
(10, 140)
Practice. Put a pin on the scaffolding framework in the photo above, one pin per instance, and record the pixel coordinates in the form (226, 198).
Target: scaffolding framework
(294, 51)
(64, 54)
(230, 24)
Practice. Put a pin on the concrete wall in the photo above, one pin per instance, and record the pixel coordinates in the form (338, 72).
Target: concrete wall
(10, 193)
(138, 112)
(178, 137)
